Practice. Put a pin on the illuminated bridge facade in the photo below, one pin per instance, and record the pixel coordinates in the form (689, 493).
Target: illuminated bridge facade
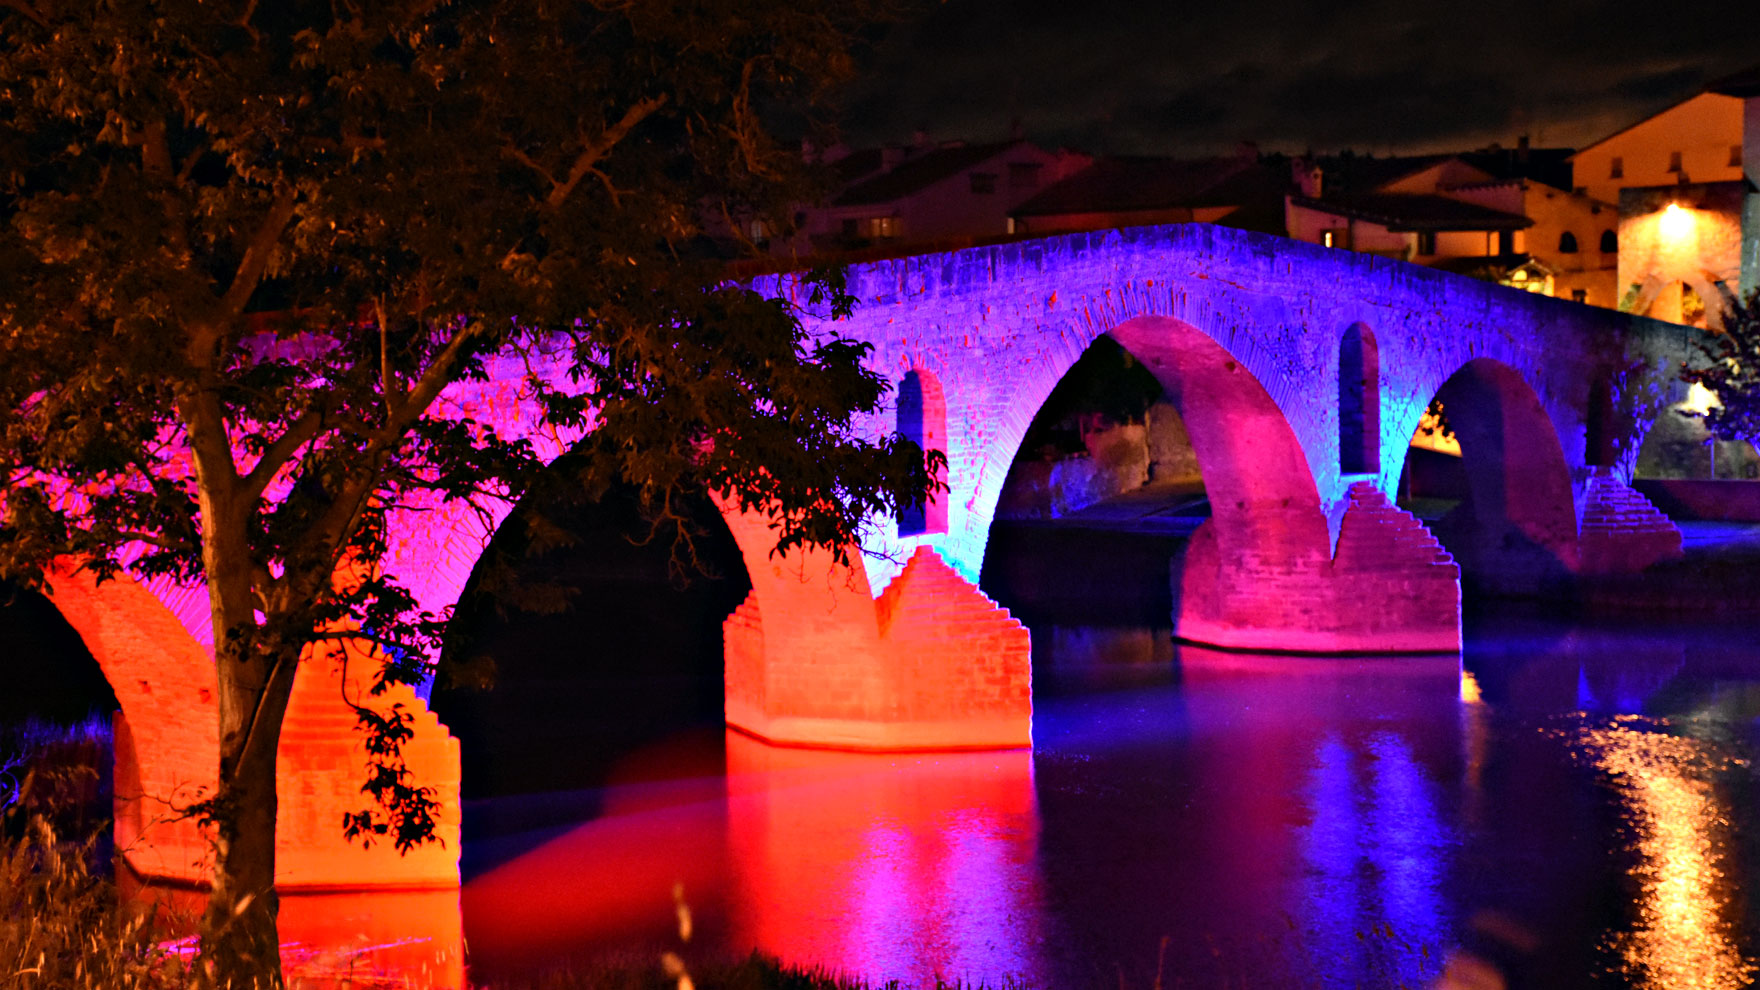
(1301, 374)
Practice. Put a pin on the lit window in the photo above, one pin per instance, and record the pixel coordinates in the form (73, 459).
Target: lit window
(1674, 161)
(879, 227)
(983, 183)
(1618, 170)
(1329, 238)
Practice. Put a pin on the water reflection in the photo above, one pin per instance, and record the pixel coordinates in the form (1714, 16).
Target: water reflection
(1683, 934)
(915, 866)
(1275, 821)
(387, 939)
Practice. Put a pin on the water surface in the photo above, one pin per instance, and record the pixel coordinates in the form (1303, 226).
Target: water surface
(1572, 805)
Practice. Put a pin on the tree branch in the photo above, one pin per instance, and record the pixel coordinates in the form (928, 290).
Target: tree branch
(277, 454)
(257, 254)
(36, 16)
(600, 147)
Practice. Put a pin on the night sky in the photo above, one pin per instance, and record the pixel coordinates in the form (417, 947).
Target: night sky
(1383, 76)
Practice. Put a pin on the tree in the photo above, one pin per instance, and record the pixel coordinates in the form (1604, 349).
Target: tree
(1732, 370)
(248, 245)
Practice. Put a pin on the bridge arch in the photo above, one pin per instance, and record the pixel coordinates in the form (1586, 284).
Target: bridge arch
(1515, 527)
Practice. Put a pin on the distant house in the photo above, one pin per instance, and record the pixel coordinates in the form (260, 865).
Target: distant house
(1688, 219)
(1239, 191)
(1507, 215)
(933, 194)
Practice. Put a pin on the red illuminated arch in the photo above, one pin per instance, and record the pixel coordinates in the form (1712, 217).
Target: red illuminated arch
(167, 741)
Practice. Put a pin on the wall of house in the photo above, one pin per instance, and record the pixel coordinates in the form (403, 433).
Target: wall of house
(1703, 129)
(950, 208)
(1688, 234)
(1591, 270)
(1308, 224)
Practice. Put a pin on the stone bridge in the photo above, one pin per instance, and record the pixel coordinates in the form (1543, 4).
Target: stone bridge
(1301, 374)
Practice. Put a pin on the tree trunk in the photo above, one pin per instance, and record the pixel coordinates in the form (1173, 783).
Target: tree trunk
(240, 947)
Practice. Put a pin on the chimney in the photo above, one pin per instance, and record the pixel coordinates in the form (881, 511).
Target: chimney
(1306, 174)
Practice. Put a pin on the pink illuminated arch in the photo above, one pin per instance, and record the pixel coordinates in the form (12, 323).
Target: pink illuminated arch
(1262, 493)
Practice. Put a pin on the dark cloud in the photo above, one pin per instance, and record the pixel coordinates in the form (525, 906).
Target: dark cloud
(1376, 75)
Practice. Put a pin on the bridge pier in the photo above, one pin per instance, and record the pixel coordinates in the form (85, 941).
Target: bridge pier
(813, 659)
(1389, 588)
(167, 751)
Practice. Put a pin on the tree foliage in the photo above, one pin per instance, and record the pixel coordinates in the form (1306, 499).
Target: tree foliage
(1732, 370)
(248, 246)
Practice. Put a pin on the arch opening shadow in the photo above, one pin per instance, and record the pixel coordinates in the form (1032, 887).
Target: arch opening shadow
(596, 648)
(1491, 477)
(1102, 492)
(57, 712)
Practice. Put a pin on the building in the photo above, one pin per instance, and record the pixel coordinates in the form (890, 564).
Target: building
(933, 194)
(1688, 215)
(1135, 191)
(1506, 215)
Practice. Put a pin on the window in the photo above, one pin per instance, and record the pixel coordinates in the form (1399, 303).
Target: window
(1580, 295)
(1618, 170)
(1609, 242)
(1426, 242)
(922, 418)
(1674, 161)
(1359, 402)
(1735, 156)
(1567, 243)
(1023, 175)
(983, 183)
(879, 227)
(1329, 238)
(1506, 242)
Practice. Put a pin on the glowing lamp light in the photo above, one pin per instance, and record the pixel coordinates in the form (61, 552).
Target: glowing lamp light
(1677, 222)
(1700, 400)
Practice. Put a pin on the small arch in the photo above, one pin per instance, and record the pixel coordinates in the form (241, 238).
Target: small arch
(1609, 242)
(922, 419)
(1567, 243)
(1359, 402)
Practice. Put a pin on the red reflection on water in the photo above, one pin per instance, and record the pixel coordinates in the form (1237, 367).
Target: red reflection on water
(902, 866)
(406, 938)
(888, 865)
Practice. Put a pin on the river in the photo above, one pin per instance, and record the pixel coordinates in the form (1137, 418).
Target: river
(1570, 804)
